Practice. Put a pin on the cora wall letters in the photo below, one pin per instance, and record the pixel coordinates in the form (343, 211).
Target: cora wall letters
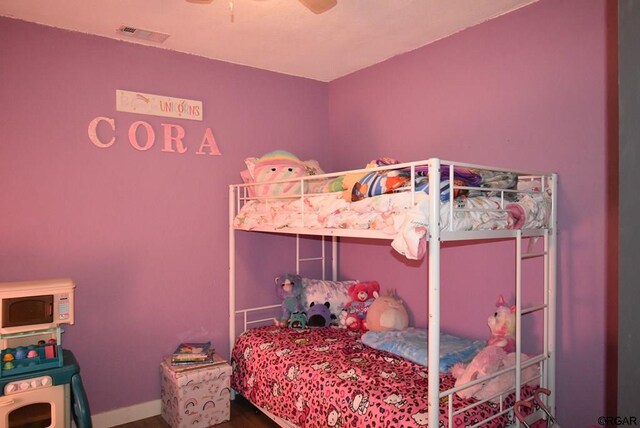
(142, 137)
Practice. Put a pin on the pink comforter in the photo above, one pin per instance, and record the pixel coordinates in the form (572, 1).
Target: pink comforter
(325, 377)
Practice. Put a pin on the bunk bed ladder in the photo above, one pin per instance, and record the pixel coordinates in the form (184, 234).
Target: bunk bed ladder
(322, 258)
(546, 376)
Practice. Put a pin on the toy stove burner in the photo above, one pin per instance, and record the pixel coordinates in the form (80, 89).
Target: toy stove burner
(27, 385)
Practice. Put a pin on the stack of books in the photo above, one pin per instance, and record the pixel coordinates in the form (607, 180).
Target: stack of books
(194, 355)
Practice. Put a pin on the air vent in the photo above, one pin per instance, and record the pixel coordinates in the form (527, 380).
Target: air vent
(138, 33)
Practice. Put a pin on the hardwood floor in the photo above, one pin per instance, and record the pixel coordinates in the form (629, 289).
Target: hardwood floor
(243, 415)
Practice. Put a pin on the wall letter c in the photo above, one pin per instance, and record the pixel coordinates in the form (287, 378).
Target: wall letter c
(92, 131)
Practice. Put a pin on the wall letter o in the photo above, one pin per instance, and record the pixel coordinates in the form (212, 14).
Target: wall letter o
(151, 136)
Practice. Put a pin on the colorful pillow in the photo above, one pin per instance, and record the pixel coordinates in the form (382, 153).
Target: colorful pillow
(320, 291)
(378, 183)
(277, 165)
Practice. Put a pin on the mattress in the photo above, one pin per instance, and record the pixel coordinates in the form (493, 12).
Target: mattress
(327, 377)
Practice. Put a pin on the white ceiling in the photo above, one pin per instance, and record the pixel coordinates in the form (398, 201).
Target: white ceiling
(277, 35)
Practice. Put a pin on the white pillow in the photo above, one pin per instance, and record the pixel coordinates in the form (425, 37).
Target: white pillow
(320, 291)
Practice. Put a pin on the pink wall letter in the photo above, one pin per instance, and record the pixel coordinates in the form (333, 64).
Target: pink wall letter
(93, 135)
(151, 136)
(168, 138)
(210, 142)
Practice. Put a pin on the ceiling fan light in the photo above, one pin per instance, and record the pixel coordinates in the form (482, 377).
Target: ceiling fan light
(319, 6)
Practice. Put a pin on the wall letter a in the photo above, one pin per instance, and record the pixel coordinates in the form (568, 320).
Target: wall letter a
(209, 142)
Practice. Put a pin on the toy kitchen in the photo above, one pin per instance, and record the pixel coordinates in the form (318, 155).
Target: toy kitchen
(40, 384)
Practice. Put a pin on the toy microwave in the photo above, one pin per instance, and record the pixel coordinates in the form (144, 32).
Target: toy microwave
(35, 305)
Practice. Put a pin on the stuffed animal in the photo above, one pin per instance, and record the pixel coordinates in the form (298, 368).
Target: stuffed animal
(289, 289)
(387, 313)
(319, 315)
(497, 355)
(490, 360)
(277, 165)
(298, 320)
(502, 383)
(487, 361)
(362, 296)
(503, 326)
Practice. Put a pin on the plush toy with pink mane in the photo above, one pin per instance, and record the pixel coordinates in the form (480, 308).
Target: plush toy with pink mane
(503, 326)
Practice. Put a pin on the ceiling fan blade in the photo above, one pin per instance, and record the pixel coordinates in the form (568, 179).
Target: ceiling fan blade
(319, 6)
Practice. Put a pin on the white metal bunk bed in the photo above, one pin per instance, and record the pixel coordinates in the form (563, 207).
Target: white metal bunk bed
(239, 195)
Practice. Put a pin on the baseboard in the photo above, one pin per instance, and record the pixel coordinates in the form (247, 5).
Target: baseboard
(125, 415)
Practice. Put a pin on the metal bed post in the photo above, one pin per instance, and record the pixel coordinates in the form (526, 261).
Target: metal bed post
(434, 293)
(553, 263)
(334, 258)
(232, 270)
(544, 380)
(518, 366)
(297, 254)
(324, 257)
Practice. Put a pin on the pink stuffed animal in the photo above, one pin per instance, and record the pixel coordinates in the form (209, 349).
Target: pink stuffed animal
(488, 361)
(362, 296)
(497, 355)
(277, 165)
(506, 381)
(503, 326)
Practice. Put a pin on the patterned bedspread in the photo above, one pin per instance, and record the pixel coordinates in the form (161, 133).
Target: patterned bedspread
(325, 377)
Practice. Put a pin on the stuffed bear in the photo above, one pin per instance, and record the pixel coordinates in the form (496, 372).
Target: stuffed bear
(362, 296)
(387, 313)
(289, 289)
(503, 326)
(319, 315)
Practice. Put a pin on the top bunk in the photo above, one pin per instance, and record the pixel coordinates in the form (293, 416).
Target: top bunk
(402, 202)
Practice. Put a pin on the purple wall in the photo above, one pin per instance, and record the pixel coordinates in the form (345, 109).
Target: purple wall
(527, 90)
(143, 234)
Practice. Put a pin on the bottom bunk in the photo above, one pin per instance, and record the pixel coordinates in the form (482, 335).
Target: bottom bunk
(327, 377)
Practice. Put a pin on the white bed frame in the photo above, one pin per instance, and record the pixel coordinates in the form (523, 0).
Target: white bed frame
(546, 361)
